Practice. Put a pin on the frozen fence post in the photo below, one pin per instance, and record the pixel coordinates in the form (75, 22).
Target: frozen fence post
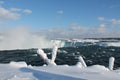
(111, 63)
(82, 61)
(56, 44)
(54, 52)
(41, 53)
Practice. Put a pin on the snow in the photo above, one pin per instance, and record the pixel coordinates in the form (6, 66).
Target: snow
(18, 64)
(21, 71)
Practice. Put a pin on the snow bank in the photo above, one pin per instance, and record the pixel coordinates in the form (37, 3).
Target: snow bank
(18, 64)
(99, 67)
(14, 71)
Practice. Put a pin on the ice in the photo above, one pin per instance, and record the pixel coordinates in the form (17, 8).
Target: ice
(111, 63)
(43, 55)
(54, 51)
(82, 61)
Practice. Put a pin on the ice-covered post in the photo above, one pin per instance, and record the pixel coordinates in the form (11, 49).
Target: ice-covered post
(54, 51)
(41, 53)
(111, 63)
(82, 61)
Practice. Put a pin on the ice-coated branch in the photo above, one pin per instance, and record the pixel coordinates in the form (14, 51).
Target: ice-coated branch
(111, 63)
(54, 51)
(41, 53)
(82, 61)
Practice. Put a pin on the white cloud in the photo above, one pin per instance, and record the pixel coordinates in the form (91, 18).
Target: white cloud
(102, 28)
(60, 12)
(15, 9)
(101, 18)
(115, 22)
(75, 27)
(12, 13)
(27, 11)
(7, 14)
(103, 25)
(77, 31)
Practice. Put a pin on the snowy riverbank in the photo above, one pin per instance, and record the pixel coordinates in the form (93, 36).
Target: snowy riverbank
(20, 71)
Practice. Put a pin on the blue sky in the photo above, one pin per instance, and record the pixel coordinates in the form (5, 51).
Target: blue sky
(80, 18)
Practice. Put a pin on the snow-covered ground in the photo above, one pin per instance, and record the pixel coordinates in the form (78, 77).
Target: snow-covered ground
(21, 71)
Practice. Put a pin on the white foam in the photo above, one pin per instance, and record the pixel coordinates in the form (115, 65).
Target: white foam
(116, 44)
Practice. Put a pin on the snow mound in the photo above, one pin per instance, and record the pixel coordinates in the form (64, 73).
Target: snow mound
(20, 71)
(100, 67)
(18, 64)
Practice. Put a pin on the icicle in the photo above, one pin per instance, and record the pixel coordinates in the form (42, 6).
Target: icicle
(82, 61)
(111, 63)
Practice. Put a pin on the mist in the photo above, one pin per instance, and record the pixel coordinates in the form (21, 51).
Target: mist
(22, 38)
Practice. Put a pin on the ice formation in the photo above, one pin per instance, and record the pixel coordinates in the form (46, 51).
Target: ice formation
(54, 51)
(111, 63)
(81, 60)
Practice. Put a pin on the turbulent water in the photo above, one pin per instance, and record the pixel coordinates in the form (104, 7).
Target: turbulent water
(92, 52)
